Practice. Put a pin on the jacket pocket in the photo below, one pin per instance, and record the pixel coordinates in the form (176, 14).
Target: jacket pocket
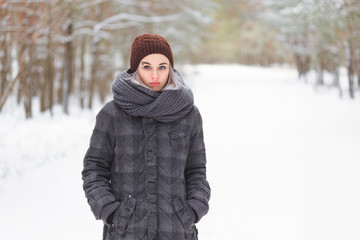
(123, 214)
(185, 213)
(177, 135)
(178, 145)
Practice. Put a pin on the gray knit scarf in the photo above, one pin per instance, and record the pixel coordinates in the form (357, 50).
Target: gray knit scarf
(164, 106)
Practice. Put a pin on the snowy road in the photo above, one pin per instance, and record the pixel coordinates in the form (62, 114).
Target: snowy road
(283, 162)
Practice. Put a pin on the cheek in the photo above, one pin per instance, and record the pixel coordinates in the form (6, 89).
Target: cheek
(143, 76)
(165, 75)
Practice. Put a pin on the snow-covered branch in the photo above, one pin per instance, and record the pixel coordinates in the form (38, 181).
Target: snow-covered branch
(134, 18)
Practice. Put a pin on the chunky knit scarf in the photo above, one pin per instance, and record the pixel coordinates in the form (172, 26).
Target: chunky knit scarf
(164, 106)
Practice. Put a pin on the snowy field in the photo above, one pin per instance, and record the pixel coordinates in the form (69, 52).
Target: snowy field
(283, 162)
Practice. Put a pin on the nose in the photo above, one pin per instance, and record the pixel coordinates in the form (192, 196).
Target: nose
(155, 74)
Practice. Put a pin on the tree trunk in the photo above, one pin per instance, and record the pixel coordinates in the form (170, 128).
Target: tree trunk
(320, 75)
(336, 81)
(27, 88)
(48, 69)
(43, 90)
(303, 65)
(336, 77)
(82, 72)
(106, 73)
(27, 61)
(94, 58)
(8, 90)
(94, 64)
(350, 69)
(60, 79)
(3, 57)
(358, 67)
(21, 61)
(4, 64)
(351, 81)
(67, 67)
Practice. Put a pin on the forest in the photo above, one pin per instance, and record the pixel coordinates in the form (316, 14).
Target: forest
(54, 51)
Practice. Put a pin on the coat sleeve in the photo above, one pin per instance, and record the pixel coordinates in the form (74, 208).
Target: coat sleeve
(98, 159)
(197, 187)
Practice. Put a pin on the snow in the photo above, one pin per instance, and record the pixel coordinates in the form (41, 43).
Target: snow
(283, 161)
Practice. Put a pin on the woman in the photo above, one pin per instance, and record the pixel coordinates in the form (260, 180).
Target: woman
(145, 170)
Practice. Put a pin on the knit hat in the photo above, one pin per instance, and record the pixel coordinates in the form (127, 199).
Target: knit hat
(147, 44)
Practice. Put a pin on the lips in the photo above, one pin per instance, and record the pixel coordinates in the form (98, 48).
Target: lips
(154, 83)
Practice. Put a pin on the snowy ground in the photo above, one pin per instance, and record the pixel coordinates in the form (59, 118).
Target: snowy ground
(283, 162)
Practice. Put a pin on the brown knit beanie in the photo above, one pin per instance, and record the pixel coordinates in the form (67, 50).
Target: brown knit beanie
(147, 44)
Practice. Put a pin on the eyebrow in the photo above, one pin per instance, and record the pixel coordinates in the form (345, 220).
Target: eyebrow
(144, 63)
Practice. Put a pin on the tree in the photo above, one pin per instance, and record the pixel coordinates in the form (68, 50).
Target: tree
(350, 11)
(325, 32)
(73, 48)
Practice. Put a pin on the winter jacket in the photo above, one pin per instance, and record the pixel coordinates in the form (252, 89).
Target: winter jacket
(154, 172)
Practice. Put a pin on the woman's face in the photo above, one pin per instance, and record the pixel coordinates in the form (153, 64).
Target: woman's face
(154, 71)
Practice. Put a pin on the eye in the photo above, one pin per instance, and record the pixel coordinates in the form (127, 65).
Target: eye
(147, 67)
(162, 67)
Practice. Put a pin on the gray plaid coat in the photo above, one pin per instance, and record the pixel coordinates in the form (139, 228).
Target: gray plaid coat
(152, 169)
